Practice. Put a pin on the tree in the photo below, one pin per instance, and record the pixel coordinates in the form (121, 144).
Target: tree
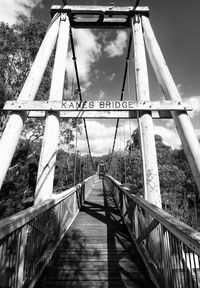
(178, 190)
(18, 48)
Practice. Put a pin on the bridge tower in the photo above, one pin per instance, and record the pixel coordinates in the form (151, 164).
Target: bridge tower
(136, 20)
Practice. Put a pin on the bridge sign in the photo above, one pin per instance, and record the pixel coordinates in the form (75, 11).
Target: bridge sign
(96, 106)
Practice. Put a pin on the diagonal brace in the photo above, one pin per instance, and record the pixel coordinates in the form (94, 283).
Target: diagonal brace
(154, 223)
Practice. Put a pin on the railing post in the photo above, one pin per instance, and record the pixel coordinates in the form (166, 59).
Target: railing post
(47, 161)
(136, 221)
(166, 258)
(151, 185)
(21, 245)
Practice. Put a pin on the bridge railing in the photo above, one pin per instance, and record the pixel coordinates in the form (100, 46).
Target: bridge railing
(29, 238)
(169, 248)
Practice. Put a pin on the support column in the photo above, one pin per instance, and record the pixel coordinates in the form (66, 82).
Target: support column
(182, 121)
(151, 185)
(15, 123)
(44, 187)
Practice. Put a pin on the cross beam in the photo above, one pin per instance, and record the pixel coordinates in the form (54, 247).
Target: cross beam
(99, 16)
(102, 114)
(97, 106)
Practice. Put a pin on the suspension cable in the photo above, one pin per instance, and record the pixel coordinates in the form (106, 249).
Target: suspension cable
(75, 155)
(79, 93)
(135, 5)
(121, 97)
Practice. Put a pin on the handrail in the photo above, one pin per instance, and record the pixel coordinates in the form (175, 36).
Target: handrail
(29, 238)
(10, 224)
(169, 248)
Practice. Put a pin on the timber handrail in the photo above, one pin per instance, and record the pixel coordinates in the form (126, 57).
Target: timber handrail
(10, 224)
(29, 238)
(169, 248)
(185, 233)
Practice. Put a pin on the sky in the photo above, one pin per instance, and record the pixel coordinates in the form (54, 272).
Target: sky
(101, 59)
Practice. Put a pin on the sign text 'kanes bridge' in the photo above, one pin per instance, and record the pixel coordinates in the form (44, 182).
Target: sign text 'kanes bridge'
(96, 105)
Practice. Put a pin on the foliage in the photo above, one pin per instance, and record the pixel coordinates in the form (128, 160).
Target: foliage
(18, 187)
(17, 192)
(18, 47)
(178, 189)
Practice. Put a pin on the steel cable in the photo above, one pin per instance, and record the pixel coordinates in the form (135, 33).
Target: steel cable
(121, 97)
(80, 96)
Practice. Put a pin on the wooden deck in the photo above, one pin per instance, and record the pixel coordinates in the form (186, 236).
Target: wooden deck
(96, 251)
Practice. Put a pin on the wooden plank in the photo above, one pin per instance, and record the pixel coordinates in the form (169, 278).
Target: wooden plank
(102, 114)
(141, 105)
(103, 25)
(112, 10)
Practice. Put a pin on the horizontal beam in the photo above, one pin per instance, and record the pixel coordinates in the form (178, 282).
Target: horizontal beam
(86, 9)
(103, 24)
(102, 114)
(99, 16)
(96, 106)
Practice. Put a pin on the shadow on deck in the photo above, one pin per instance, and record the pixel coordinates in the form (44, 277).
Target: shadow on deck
(97, 250)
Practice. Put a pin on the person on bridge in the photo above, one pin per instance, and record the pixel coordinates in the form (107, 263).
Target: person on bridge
(101, 170)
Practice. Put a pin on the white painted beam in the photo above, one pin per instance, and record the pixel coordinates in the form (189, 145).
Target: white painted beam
(91, 9)
(14, 126)
(102, 114)
(97, 106)
(182, 121)
(45, 178)
(151, 185)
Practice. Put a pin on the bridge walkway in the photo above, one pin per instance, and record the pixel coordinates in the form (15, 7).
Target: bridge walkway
(97, 250)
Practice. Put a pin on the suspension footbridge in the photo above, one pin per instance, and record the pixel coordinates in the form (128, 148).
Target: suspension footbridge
(98, 233)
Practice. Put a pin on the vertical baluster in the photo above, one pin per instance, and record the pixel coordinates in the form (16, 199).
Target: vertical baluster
(21, 247)
(196, 268)
(136, 228)
(2, 261)
(166, 257)
(181, 271)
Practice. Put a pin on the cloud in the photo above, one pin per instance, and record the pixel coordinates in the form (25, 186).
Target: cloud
(88, 51)
(111, 77)
(180, 89)
(101, 95)
(169, 135)
(116, 47)
(194, 101)
(11, 9)
(101, 136)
